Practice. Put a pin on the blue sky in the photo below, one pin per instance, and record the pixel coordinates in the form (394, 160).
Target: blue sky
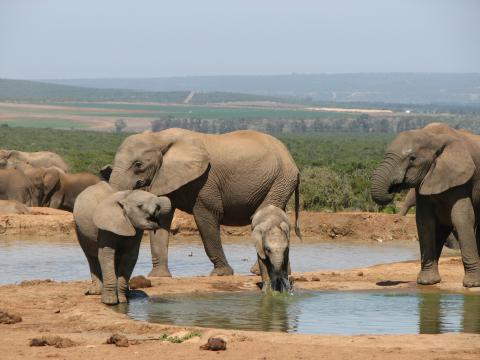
(59, 39)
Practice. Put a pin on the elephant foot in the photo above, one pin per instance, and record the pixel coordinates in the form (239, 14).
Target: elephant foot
(255, 269)
(472, 279)
(222, 271)
(428, 277)
(122, 299)
(160, 272)
(109, 299)
(94, 289)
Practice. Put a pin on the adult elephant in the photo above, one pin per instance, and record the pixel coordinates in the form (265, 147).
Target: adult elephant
(442, 164)
(220, 179)
(61, 189)
(10, 158)
(15, 185)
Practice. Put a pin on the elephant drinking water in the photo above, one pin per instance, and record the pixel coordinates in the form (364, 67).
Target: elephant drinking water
(220, 179)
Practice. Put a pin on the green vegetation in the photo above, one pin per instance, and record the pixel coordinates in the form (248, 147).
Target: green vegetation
(44, 123)
(336, 168)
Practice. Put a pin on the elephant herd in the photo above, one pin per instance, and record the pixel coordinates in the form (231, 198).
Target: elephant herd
(240, 178)
(40, 179)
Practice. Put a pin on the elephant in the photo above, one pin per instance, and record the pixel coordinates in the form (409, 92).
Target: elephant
(10, 158)
(109, 228)
(441, 164)
(409, 202)
(271, 235)
(220, 179)
(15, 185)
(13, 207)
(55, 188)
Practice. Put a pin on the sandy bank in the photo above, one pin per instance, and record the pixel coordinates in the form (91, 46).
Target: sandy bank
(323, 226)
(60, 308)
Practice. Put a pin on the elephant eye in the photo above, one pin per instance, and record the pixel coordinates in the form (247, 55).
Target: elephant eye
(267, 249)
(412, 158)
(139, 205)
(137, 164)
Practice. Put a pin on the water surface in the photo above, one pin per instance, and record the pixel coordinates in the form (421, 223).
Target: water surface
(315, 312)
(59, 259)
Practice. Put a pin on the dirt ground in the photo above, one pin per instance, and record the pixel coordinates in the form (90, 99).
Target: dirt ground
(61, 309)
(321, 226)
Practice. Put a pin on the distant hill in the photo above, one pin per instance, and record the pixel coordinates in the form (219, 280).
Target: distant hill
(24, 90)
(374, 88)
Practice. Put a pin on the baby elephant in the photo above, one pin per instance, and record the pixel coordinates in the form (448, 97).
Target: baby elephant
(271, 233)
(110, 227)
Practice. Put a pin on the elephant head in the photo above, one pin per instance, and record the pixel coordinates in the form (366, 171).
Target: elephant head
(159, 162)
(125, 212)
(271, 234)
(432, 160)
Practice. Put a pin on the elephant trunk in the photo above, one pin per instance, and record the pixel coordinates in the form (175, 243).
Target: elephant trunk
(279, 274)
(164, 206)
(383, 178)
(118, 180)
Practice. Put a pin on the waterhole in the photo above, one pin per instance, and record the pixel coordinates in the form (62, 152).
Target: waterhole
(59, 259)
(349, 313)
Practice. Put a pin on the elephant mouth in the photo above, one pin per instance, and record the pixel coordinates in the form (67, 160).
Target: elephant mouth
(394, 188)
(142, 183)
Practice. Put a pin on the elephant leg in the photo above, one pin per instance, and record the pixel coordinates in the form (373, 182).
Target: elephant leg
(209, 228)
(463, 219)
(159, 247)
(106, 257)
(266, 281)
(427, 234)
(96, 274)
(126, 263)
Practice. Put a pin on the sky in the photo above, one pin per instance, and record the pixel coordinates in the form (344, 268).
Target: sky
(62, 39)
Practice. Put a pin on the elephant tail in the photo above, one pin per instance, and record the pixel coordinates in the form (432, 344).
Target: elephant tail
(297, 207)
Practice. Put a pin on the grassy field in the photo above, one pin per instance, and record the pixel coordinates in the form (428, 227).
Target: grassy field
(336, 168)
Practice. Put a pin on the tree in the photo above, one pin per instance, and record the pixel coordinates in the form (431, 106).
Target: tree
(120, 125)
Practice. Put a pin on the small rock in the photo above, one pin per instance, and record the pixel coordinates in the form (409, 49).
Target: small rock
(215, 344)
(300, 278)
(7, 318)
(57, 311)
(140, 282)
(315, 278)
(56, 341)
(360, 273)
(118, 340)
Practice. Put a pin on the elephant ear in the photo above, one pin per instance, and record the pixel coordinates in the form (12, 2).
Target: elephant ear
(109, 216)
(51, 179)
(258, 239)
(285, 227)
(453, 167)
(184, 160)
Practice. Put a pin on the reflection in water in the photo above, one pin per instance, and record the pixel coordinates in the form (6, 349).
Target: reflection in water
(316, 312)
(441, 313)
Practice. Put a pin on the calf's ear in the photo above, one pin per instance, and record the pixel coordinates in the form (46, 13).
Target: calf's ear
(109, 216)
(258, 239)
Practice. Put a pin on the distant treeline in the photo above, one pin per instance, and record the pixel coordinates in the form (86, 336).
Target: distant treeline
(348, 124)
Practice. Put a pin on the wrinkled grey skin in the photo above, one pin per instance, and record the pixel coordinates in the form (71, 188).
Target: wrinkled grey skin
(271, 234)
(110, 227)
(442, 165)
(409, 202)
(13, 207)
(55, 188)
(220, 179)
(15, 185)
(10, 158)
